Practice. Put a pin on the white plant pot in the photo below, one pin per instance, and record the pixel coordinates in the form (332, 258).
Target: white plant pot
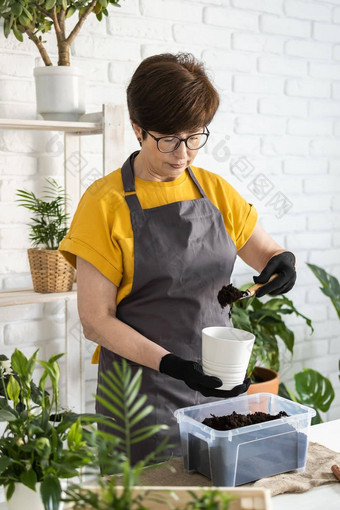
(60, 92)
(25, 498)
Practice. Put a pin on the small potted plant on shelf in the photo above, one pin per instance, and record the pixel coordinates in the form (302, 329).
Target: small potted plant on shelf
(38, 449)
(49, 269)
(60, 89)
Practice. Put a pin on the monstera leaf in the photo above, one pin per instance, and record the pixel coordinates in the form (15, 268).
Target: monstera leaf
(313, 389)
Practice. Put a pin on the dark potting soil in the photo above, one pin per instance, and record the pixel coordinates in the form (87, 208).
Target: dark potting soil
(235, 420)
(228, 295)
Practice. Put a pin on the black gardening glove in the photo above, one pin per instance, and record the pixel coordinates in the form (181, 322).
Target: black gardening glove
(192, 374)
(284, 265)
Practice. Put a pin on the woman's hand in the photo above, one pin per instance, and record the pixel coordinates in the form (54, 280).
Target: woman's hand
(284, 265)
(192, 374)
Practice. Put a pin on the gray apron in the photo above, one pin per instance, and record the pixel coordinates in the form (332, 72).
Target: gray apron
(183, 256)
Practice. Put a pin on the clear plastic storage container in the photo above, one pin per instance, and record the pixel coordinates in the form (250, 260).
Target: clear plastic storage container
(245, 454)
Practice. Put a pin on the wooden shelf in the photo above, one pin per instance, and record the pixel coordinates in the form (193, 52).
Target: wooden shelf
(28, 296)
(82, 127)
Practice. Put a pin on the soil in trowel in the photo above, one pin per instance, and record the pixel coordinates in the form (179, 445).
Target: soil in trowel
(235, 420)
(228, 294)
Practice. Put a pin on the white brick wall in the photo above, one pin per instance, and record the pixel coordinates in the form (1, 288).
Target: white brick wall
(276, 64)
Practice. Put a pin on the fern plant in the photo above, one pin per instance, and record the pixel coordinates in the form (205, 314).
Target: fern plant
(49, 227)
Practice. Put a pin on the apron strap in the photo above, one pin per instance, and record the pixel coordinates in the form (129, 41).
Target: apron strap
(129, 184)
(192, 175)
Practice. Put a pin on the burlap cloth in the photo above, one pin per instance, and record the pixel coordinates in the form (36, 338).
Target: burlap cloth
(318, 472)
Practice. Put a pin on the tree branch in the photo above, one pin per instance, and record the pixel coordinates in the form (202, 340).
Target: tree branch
(81, 21)
(62, 15)
(40, 46)
(55, 21)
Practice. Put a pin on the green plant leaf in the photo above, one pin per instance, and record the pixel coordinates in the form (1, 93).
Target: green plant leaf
(4, 463)
(137, 405)
(50, 4)
(13, 390)
(265, 321)
(50, 490)
(314, 389)
(330, 285)
(27, 12)
(146, 432)
(75, 436)
(121, 387)
(285, 392)
(147, 410)
(19, 363)
(10, 490)
(17, 33)
(70, 11)
(109, 404)
(29, 478)
(7, 27)
(6, 415)
(16, 8)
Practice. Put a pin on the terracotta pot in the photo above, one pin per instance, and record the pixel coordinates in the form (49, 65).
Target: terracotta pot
(270, 382)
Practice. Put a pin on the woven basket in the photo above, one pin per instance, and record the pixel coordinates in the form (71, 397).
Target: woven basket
(50, 271)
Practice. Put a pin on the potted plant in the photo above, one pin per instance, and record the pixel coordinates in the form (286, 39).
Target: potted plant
(330, 287)
(60, 89)
(49, 269)
(312, 388)
(38, 448)
(266, 321)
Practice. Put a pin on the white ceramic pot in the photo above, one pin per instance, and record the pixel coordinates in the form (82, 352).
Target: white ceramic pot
(225, 354)
(24, 498)
(60, 92)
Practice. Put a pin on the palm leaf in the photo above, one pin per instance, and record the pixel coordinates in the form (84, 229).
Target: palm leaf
(122, 399)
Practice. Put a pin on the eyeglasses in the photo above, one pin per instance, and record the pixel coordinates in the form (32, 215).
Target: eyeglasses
(171, 143)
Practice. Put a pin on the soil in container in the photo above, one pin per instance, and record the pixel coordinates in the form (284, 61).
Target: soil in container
(235, 420)
(249, 456)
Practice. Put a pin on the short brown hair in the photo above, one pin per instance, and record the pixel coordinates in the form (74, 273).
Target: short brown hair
(171, 94)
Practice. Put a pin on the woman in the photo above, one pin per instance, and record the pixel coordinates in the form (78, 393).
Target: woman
(154, 242)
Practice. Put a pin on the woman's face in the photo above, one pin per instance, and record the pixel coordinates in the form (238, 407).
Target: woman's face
(165, 166)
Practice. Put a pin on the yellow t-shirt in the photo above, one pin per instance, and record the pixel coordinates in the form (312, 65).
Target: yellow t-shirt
(101, 231)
